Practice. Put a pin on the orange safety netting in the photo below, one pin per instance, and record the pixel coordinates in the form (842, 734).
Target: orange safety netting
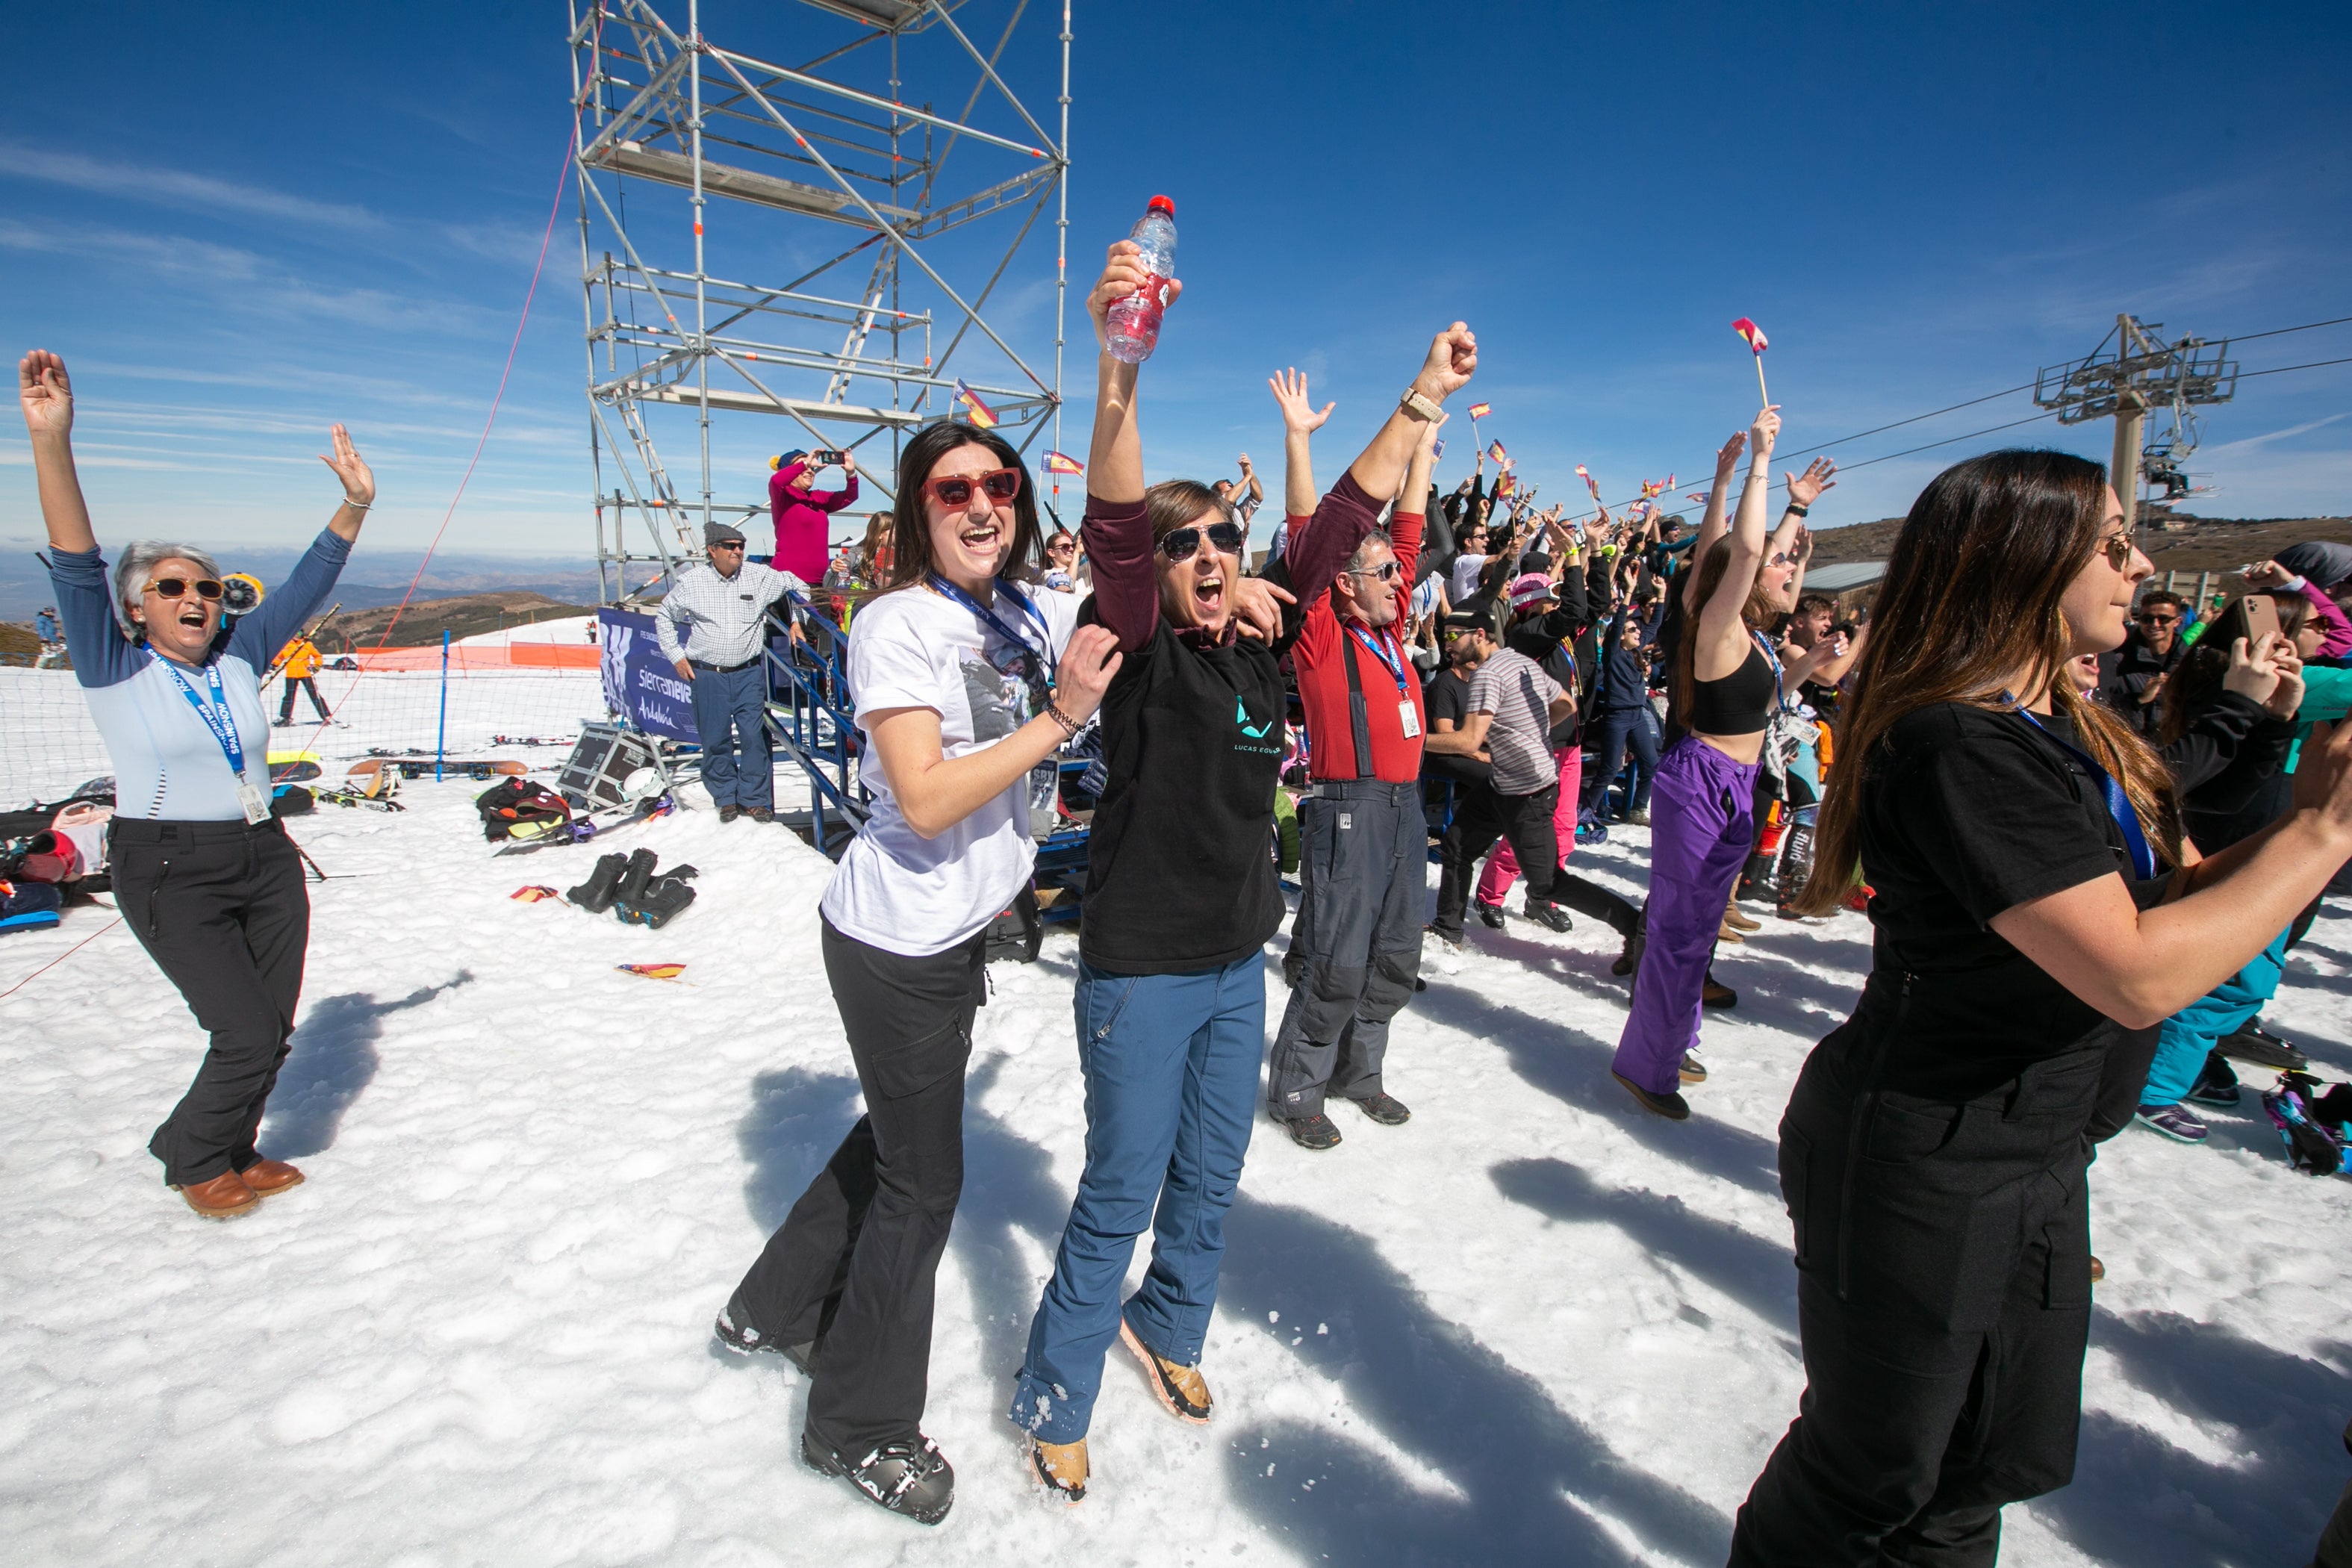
(515, 656)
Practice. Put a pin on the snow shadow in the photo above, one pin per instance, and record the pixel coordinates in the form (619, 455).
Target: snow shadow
(797, 1120)
(1573, 1067)
(1759, 1275)
(332, 1060)
(1503, 1474)
(1008, 1186)
(2139, 1501)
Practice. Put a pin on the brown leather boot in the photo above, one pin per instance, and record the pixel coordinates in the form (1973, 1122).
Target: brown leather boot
(1061, 1466)
(225, 1197)
(267, 1176)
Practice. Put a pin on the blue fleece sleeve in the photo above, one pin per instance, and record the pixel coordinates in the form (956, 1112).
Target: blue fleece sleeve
(289, 607)
(101, 655)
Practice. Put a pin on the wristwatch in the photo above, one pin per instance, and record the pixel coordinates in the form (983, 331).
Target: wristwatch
(1415, 406)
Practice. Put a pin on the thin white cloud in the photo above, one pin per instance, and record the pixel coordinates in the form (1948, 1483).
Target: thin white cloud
(2248, 443)
(175, 189)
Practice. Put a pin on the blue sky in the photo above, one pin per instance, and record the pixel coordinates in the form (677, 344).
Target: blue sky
(240, 222)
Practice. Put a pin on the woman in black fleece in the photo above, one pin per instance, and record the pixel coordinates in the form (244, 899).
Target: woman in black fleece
(1180, 892)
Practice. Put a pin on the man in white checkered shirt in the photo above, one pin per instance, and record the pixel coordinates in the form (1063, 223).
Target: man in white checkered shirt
(722, 608)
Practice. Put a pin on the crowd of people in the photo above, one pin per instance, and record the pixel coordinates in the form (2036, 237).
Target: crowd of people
(2085, 822)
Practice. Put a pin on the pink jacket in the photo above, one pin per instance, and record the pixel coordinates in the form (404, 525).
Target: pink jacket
(800, 516)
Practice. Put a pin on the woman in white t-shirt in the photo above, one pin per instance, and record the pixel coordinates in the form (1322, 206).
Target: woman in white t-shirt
(953, 668)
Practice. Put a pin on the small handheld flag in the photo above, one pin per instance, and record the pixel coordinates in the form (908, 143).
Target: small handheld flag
(979, 413)
(1506, 486)
(1589, 482)
(1062, 463)
(1754, 336)
(531, 895)
(653, 971)
(1480, 410)
(1698, 496)
(1496, 451)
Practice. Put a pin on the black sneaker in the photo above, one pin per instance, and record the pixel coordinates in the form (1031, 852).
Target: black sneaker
(2216, 1084)
(1673, 1107)
(2257, 1046)
(729, 813)
(1450, 939)
(1316, 1132)
(910, 1479)
(735, 1331)
(1550, 916)
(1385, 1109)
(1490, 915)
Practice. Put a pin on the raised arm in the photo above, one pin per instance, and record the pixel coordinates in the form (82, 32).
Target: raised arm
(1300, 420)
(46, 393)
(1710, 523)
(1116, 533)
(1722, 641)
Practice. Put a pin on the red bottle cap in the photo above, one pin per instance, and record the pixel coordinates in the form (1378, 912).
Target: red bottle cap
(1161, 205)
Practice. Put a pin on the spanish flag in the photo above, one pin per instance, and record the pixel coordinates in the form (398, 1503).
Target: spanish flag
(975, 411)
(1589, 482)
(1062, 463)
(1753, 333)
(1496, 451)
(1507, 487)
(1480, 410)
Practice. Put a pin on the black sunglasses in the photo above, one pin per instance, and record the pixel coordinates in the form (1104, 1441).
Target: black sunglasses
(1178, 544)
(175, 587)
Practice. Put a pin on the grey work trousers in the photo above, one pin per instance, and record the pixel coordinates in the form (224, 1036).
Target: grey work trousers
(1356, 944)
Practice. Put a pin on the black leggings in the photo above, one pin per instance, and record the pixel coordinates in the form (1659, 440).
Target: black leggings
(221, 909)
(852, 1268)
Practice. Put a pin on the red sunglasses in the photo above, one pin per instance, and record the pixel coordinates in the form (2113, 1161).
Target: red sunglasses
(955, 489)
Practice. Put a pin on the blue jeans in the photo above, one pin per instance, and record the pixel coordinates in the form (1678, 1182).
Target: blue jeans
(730, 700)
(1171, 1063)
(2189, 1036)
(1622, 731)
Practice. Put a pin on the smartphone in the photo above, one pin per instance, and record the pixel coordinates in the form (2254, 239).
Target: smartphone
(826, 457)
(2262, 616)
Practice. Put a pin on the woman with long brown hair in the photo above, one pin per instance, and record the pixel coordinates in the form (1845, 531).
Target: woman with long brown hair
(1728, 683)
(2034, 902)
(966, 686)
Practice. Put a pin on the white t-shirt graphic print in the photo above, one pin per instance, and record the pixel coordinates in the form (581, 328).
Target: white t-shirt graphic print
(915, 648)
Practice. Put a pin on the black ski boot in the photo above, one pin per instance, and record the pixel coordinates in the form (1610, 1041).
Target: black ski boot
(663, 899)
(595, 894)
(737, 1333)
(910, 1479)
(634, 877)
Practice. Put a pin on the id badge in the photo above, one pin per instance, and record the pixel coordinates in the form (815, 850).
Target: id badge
(255, 803)
(1408, 720)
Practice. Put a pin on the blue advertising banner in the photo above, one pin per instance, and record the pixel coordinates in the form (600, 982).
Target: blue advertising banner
(640, 684)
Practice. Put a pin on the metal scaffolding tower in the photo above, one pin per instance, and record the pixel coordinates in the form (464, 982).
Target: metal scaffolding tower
(2143, 372)
(829, 167)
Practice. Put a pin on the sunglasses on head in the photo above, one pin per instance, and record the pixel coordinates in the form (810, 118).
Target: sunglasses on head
(175, 587)
(2118, 547)
(955, 489)
(1178, 544)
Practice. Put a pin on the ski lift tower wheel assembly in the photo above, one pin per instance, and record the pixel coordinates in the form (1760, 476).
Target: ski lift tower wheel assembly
(892, 175)
(2143, 372)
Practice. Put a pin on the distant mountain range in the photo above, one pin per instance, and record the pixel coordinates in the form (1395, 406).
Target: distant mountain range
(2174, 541)
(377, 578)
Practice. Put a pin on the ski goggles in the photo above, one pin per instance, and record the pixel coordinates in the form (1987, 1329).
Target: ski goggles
(177, 587)
(955, 489)
(1179, 543)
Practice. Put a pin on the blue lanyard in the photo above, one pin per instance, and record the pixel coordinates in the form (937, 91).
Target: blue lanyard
(1379, 650)
(215, 714)
(2119, 805)
(1044, 645)
(1779, 689)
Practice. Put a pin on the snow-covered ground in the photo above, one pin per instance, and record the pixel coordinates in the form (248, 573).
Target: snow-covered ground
(1530, 1326)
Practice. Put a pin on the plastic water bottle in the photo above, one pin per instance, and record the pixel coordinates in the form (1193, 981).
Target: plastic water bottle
(1134, 321)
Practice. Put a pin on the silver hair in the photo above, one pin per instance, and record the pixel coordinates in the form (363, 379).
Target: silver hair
(138, 565)
(1377, 537)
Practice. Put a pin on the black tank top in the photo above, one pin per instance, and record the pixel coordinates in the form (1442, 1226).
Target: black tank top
(1740, 703)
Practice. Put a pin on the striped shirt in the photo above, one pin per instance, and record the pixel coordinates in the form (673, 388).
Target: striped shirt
(1516, 690)
(724, 618)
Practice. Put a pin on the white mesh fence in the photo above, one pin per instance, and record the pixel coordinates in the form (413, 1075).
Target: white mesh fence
(48, 745)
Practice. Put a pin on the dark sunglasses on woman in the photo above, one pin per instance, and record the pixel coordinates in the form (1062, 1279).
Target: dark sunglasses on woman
(177, 587)
(1178, 544)
(955, 489)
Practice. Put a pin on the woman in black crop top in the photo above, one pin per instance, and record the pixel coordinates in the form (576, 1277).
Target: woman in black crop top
(1727, 683)
(2034, 903)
